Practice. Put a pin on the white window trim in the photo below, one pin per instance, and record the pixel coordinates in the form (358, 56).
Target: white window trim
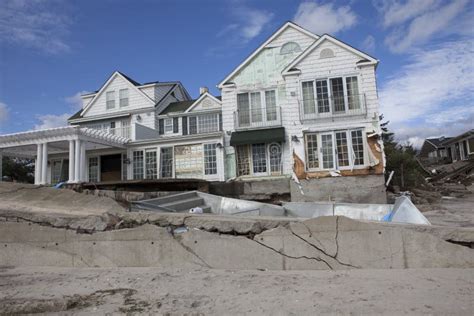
(98, 167)
(267, 159)
(172, 126)
(120, 98)
(263, 103)
(107, 93)
(335, 159)
(330, 94)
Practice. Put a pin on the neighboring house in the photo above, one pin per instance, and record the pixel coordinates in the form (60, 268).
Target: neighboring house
(460, 147)
(433, 150)
(301, 106)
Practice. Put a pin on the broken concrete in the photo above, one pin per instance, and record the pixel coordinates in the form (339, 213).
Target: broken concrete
(231, 243)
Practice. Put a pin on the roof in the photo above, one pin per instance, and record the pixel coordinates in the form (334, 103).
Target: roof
(135, 83)
(76, 115)
(268, 135)
(263, 45)
(437, 142)
(459, 137)
(180, 106)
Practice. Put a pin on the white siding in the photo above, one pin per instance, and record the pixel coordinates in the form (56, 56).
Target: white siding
(206, 103)
(136, 99)
(149, 91)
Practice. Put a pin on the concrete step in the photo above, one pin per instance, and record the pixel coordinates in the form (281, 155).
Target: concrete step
(184, 204)
(172, 198)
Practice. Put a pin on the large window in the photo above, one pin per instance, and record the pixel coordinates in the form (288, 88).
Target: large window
(208, 123)
(210, 159)
(138, 164)
(334, 150)
(94, 169)
(253, 108)
(123, 95)
(336, 95)
(166, 162)
(110, 99)
(151, 169)
(258, 159)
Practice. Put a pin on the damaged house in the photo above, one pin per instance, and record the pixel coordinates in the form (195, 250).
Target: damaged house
(302, 108)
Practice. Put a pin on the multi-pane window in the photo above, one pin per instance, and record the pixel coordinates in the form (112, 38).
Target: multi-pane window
(337, 89)
(193, 125)
(259, 158)
(56, 171)
(188, 161)
(151, 164)
(256, 107)
(137, 164)
(342, 150)
(110, 99)
(208, 123)
(358, 147)
(308, 97)
(275, 158)
(322, 95)
(336, 149)
(166, 162)
(270, 103)
(312, 155)
(123, 96)
(352, 93)
(210, 159)
(243, 160)
(327, 151)
(168, 125)
(94, 169)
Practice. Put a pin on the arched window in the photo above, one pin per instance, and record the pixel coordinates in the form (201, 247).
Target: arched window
(275, 158)
(290, 47)
(326, 53)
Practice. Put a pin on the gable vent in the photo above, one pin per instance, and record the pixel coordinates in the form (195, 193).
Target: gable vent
(326, 53)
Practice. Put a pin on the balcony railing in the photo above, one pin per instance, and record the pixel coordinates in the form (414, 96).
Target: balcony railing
(333, 107)
(124, 131)
(257, 118)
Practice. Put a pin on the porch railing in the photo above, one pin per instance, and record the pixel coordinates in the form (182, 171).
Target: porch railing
(333, 107)
(256, 118)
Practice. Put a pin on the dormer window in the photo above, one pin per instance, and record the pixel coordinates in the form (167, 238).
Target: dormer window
(110, 96)
(168, 125)
(289, 48)
(123, 94)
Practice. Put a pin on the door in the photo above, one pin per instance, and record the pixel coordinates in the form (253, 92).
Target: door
(111, 168)
(337, 89)
(327, 151)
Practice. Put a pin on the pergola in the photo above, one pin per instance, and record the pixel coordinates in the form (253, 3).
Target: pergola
(76, 140)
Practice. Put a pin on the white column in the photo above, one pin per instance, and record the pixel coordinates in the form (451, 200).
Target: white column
(39, 163)
(77, 161)
(44, 164)
(83, 161)
(71, 161)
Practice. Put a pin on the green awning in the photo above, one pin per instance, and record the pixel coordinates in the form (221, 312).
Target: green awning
(268, 135)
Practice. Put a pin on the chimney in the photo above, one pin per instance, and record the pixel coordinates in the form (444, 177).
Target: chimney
(203, 90)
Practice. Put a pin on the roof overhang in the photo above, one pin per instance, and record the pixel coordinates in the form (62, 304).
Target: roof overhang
(268, 135)
(58, 134)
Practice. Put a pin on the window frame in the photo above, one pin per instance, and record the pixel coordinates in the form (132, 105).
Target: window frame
(108, 100)
(349, 145)
(263, 107)
(330, 94)
(125, 90)
(248, 148)
(89, 168)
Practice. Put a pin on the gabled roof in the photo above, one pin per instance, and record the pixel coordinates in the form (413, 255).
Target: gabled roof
(459, 137)
(326, 37)
(133, 85)
(261, 47)
(438, 142)
(188, 105)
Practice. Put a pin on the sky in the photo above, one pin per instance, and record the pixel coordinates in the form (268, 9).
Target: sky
(52, 51)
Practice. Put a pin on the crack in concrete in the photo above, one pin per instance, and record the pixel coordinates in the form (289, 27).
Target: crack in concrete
(335, 238)
(319, 259)
(323, 251)
(191, 251)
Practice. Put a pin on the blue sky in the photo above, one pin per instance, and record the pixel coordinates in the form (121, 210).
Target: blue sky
(51, 51)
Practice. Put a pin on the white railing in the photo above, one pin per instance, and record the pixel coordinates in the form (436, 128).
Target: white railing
(256, 118)
(333, 107)
(124, 131)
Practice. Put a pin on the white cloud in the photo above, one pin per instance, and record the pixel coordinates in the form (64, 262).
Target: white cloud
(434, 77)
(248, 23)
(75, 100)
(395, 12)
(369, 44)
(424, 27)
(324, 18)
(36, 24)
(51, 121)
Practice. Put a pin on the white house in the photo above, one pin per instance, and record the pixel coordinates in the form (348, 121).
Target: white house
(301, 106)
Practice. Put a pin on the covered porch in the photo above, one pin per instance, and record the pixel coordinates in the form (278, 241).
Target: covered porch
(70, 142)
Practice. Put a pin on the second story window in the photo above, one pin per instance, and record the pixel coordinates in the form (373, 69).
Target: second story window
(257, 109)
(110, 99)
(168, 126)
(123, 94)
